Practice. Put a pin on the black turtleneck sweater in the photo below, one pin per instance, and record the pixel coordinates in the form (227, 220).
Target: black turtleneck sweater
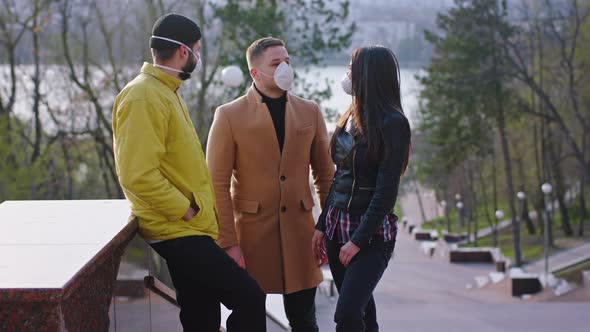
(276, 107)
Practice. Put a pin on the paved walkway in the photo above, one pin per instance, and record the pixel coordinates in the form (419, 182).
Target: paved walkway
(488, 230)
(420, 293)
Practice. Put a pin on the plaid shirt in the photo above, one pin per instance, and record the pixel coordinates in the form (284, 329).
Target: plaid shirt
(343, 225)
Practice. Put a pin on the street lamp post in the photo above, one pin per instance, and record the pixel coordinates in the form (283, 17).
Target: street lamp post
(458, 200)
(524, 215)
(460, 207)
(546, 188)
(501, 264)
(428, 198)
(432, 196)
(521, 196)
(521, 217)
(533, 215)
(444, 206)
(499, 216)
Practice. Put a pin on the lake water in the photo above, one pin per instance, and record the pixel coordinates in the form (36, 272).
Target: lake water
(71, 105)
(340, 100)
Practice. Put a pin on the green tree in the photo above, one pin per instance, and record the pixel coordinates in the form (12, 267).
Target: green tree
(466, 90)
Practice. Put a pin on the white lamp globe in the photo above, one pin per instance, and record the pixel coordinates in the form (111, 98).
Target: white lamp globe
(460, 205)
(232, 76)
(533, 214)
(499, 214)
(521, 195)
(546, 188)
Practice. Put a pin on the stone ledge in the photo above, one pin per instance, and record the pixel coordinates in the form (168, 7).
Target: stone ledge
(474, 255)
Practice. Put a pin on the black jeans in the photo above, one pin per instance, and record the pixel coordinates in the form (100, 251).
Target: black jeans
(355, 311)
(205, 276)
(300, 310)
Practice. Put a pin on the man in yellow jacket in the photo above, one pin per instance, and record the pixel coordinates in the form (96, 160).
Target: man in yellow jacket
(163, 173)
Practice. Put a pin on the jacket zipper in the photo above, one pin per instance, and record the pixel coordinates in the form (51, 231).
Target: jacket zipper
(353, 179)
(367, 188)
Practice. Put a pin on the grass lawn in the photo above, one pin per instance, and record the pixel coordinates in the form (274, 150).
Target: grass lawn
(532, 245)
(440, 224)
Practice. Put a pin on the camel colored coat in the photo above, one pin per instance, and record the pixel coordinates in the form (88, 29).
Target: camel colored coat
(263, 197)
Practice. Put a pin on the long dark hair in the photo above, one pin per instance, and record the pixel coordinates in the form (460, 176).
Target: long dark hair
(375, 76)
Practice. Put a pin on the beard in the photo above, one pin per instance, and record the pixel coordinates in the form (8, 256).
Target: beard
(188, 68)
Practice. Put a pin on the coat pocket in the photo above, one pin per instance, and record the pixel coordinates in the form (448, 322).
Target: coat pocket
(246, 206)
(307, 203)
(305, 130)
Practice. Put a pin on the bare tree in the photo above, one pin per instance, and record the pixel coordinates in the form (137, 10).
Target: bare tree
(100, 129)
(13, 28)
(565, 29)
(558, 28)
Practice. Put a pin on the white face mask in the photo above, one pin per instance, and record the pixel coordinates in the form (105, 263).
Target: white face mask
(198, 66)
(283, 76)
(346, 84)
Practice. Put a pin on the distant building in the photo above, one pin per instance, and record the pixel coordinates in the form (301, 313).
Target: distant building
(398, 24)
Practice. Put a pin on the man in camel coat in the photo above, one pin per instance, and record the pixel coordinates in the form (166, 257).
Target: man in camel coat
(259, 153)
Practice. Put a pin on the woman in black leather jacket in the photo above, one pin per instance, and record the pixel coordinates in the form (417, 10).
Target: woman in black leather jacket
(357, 228)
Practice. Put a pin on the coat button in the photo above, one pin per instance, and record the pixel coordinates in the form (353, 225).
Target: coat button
(283, 209)
(283, 178)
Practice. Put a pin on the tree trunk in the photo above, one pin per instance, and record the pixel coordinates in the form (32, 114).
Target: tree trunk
(69, 188)
(583, 212)
(559, 188)
(501, 124)
(524, 215)
(473, 206)
(538, 195)
(446, 211)
(491, 221)
(521, 70)
(565, 219)
(419, 197)
(103, 132)
(510, 185)
(581, 194)
(37, 84)
(524, 212)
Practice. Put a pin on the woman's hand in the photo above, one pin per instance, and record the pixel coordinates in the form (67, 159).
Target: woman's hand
(347, 252)
(318, 247)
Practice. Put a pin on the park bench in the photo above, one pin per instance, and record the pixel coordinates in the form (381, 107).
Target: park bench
(454, 237)
(474, 255)
(425, 235)
(524, 283)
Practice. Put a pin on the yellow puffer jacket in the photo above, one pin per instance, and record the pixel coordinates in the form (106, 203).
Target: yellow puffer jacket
(160, 163)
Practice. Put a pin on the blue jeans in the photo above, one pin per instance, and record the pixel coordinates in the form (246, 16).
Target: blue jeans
(356, 311)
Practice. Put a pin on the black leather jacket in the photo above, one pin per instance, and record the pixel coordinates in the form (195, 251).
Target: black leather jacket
(366, 188)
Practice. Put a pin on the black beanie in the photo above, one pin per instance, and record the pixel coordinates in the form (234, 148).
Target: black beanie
(176, 27)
